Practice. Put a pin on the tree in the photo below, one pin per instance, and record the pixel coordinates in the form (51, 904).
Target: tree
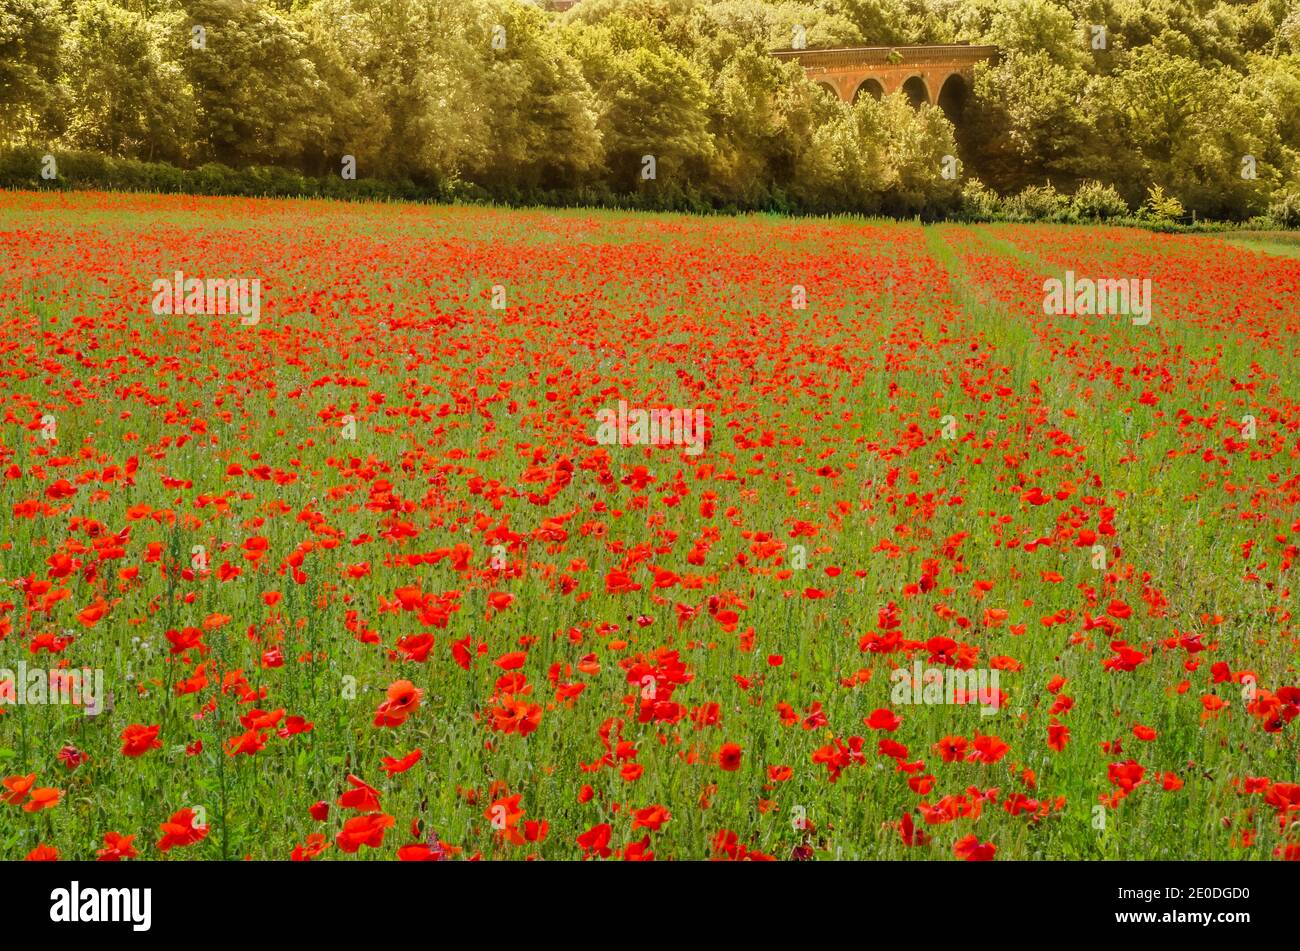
(880, 155)
(726, 27)
(879, 22)
(129, 99)
(653, 100)
(1026, 123)
(1274, 84)
(1164, 120)
(540, 112)
(763, 114)
(255, 87)
(30, 36)
(1034, 27)
(405, 98)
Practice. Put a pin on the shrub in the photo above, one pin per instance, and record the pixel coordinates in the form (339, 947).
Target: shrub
(978, 201)
(1285, 209)
(1097, 202)
(1038, 203)
(1161, 207)
(21, 168)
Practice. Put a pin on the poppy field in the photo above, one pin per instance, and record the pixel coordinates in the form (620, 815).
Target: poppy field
(520, 534)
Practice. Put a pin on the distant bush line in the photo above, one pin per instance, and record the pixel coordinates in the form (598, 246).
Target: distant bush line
(20, 169)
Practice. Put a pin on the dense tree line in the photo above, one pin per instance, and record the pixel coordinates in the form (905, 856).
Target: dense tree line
(1189, 106)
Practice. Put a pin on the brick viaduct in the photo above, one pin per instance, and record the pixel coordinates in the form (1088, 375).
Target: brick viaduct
(939, 75)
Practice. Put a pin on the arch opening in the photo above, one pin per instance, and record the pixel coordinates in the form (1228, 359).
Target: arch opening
(952, 97)
(916, 92)
(829, 90)
(869, 87)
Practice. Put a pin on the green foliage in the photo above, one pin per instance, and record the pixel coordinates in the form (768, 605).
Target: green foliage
(1161, 207)
(30, 35)
(409, 83)
(1030, 27)
(979, 202)
(1037, 203)
(725, 27)
(254, 86)
(879, 156)
(1027, 121)
(1095, 201)
(1165, 120)
(132, 98)
(541, 116)
(879, 22)
(21, 168)
(654, 100)
(1285, 209)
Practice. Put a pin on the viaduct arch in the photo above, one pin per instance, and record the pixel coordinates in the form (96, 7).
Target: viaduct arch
(939, 75)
